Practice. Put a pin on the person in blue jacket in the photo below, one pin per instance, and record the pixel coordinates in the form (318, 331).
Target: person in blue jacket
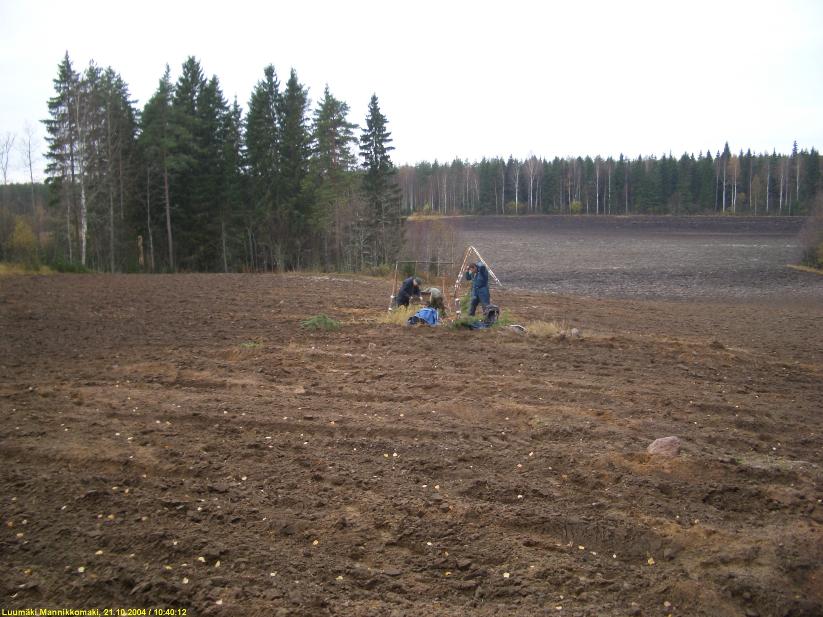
(478, 274)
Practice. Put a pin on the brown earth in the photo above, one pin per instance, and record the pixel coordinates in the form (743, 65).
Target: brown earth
(181, 442)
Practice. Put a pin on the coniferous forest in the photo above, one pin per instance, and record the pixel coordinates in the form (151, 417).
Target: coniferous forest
(193, 182)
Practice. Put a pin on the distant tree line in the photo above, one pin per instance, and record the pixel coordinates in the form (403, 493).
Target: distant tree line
(750, 184)
(192, 183)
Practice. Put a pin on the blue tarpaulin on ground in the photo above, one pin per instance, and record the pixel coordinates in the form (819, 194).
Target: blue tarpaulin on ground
(426, 315)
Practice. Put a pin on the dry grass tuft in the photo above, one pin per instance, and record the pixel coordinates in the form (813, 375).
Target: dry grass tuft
(398, 316)
(806, 269)
(11, 269)
(547, 328)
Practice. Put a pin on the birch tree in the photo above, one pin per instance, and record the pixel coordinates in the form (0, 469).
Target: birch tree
(734, 168)
(29, 156)
(531, 166)
(6, 147)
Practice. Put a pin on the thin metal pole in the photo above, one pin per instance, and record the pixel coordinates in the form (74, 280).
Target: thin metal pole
(496, 280)
(394, 286)
(460, 276)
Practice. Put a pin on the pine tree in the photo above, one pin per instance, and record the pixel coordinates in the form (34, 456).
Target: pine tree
(384, 221)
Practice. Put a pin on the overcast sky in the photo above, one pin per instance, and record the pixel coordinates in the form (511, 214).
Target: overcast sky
(462, 79)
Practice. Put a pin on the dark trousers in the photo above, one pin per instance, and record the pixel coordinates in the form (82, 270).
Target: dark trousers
(473, 305)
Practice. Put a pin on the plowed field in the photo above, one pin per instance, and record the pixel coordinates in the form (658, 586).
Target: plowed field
(181, 442)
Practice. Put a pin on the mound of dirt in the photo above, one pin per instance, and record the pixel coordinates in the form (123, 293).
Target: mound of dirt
(180, 442)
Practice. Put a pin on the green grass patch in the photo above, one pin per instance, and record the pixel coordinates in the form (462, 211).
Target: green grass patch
(73, 268)
(251, 345)
(504, 319)
(464, 322)
(320, 322)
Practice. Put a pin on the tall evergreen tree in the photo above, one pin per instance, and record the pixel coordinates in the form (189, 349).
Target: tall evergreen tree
(63, 146)
(233, 186)
(332, 166)
(121, 157)
(262, 138)
(293, 201)
(188, 92)
(208, 192)
(91, 134)
(159, 138)
(107, 128)
(384, 221)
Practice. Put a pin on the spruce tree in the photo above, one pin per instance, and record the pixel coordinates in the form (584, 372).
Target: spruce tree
(159, 144)
(62, 139)
(233, 185)
(293, 201)
(118, 156)
(331, 170)
(384, 221)
(208, 193)
(262, 139)
(189, 152)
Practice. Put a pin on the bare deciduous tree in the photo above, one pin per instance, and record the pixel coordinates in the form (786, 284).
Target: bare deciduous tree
(6, 146)
(29, 156)
(531, 171)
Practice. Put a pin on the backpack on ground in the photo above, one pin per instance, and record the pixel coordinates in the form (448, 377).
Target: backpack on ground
(490, 314)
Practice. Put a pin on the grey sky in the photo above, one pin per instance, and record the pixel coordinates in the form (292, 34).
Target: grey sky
(462, 79)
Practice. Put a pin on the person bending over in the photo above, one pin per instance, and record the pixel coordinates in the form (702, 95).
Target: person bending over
(410, 288)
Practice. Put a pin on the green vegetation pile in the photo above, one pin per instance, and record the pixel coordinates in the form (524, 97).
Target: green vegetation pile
(321, 322)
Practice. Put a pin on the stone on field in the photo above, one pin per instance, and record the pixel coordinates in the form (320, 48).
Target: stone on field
(665, 446)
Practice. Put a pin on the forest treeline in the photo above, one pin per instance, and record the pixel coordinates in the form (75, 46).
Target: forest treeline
(723, 183)
(193, 182)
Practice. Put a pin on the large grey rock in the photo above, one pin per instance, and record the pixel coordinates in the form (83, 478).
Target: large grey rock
(665, 446)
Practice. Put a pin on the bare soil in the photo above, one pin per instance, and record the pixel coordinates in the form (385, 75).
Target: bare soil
(179, 441)
(683, 258)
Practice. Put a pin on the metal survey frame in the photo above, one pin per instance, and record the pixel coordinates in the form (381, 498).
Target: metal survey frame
(463, 268)
(415, 262)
